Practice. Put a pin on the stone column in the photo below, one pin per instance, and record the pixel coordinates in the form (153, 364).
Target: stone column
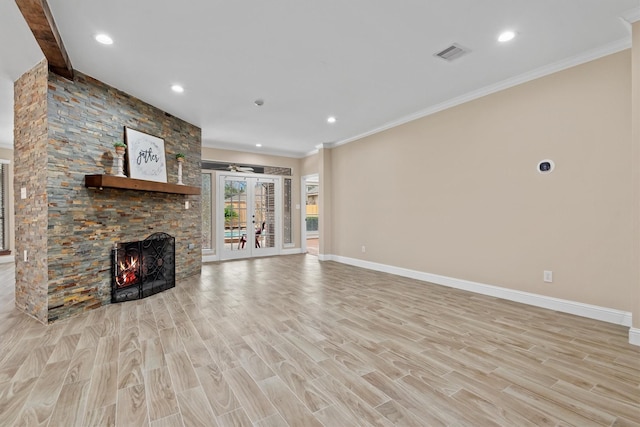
(30, 190)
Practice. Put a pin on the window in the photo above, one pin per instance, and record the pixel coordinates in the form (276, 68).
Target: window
(4, 196)
(207, 211)
(287, 230)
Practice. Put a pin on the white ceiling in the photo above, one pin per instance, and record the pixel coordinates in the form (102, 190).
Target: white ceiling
(370, 63)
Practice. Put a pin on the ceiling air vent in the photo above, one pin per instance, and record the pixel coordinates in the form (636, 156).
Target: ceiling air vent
(452, 52)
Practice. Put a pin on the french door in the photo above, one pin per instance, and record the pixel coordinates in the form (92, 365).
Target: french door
(248, 215)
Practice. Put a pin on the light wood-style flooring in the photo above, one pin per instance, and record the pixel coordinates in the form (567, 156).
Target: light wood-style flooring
(291, 341)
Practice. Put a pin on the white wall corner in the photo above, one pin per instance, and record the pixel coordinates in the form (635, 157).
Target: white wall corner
(595, 312)
(325, 257)
(634, 336)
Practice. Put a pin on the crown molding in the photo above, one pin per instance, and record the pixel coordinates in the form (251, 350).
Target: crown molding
(593, 54)
(546, 70)
(243, 148)
(632, 15)
(313, 152)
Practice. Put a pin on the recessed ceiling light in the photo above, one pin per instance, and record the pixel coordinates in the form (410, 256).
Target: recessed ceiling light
(177, 88)
(259, 102)
(258, 145)
(104, 39)
(331, 119)
(506, 36)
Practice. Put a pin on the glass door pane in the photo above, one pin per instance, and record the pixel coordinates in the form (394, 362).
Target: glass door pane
(235, 215)
(264, 204)
(248, 216)
(287, 213)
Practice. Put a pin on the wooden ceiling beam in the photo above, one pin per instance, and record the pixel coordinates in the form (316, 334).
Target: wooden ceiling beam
(42, 25)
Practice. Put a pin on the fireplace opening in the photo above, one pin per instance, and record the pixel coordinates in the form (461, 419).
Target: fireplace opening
(143, 268)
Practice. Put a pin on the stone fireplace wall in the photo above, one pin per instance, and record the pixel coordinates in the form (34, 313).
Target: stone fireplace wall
(84, 118)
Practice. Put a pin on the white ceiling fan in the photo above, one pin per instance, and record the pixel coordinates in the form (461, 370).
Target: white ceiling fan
(236, 168)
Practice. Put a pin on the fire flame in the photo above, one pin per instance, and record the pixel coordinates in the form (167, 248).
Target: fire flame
(127, 274)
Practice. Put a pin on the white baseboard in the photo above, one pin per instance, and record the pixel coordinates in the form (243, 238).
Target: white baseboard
(210, 258)
(292, 251)
(634, 336)
(604, 314)
(7, 259)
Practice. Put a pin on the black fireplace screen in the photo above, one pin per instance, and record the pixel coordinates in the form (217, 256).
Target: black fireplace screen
(143, 268)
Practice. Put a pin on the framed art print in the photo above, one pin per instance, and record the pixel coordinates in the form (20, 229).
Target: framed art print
(146, 156)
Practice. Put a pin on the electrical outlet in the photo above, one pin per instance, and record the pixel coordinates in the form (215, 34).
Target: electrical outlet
(186, 204)
(364, 249)
(23, 193)
(26, 259)
(547, 276)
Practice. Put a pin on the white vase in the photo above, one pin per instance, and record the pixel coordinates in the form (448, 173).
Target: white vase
(120, 161)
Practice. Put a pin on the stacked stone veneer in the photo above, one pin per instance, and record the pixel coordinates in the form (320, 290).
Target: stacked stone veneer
(30, 173)
(70, 240)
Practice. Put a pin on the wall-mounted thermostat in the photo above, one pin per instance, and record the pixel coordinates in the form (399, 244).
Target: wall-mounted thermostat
(546, 166)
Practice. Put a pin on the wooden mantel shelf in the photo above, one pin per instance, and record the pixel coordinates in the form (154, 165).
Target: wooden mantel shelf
(124, 183)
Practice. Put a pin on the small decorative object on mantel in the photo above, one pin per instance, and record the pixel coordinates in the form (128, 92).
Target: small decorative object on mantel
(120, 148)
(180, 159)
